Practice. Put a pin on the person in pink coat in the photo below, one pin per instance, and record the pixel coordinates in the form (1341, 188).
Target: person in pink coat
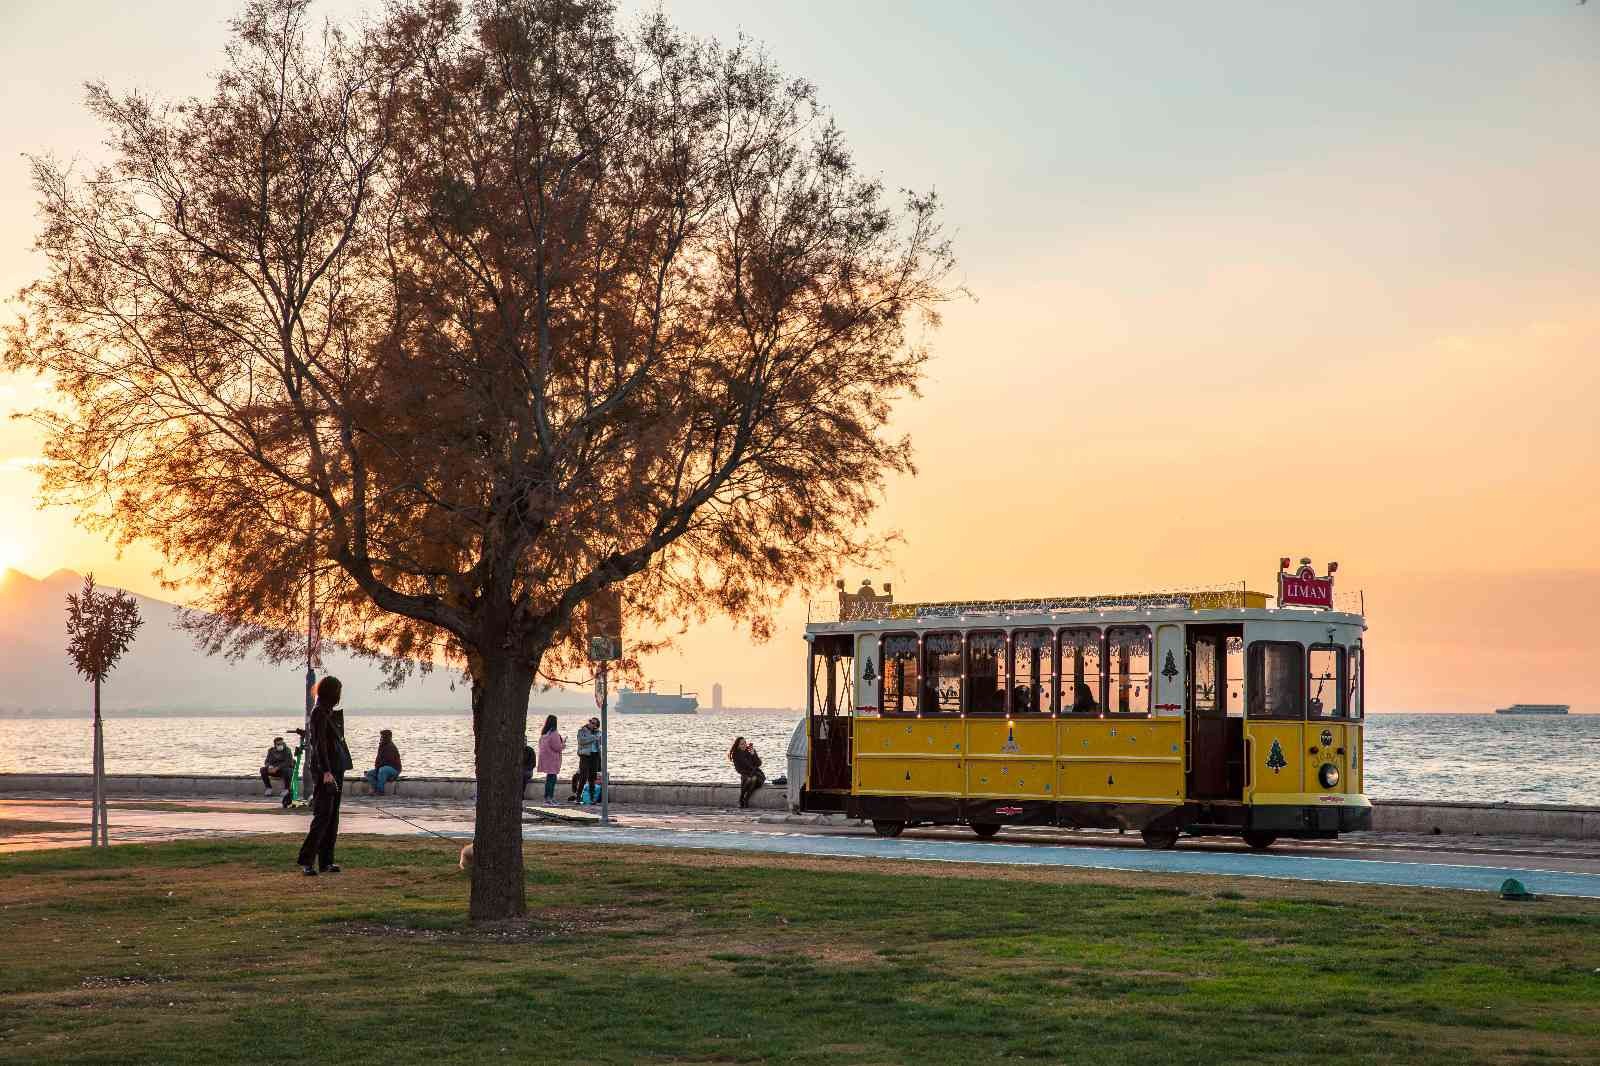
(551, 745)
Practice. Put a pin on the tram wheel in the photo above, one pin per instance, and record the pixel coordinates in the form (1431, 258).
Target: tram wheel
(985, 829)
(1259, 840)
(1160, 839)
(886, 828)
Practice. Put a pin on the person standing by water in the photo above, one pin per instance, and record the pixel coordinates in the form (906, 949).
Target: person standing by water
(748, 763)
(386, 767)
(330, 758)
(588, 759)
(551, 745)
(279, 763)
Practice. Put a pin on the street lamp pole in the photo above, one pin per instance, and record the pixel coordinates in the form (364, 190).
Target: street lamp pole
(605, 742)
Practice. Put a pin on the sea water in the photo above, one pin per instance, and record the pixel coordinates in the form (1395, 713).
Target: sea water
(1469, 757)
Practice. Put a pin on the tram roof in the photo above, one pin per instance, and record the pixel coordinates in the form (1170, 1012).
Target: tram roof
(1225, 605)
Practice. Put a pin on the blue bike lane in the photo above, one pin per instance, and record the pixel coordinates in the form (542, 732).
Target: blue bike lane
(1178, 861)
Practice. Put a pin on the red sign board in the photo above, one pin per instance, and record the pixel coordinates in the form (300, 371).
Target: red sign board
(1304, 588)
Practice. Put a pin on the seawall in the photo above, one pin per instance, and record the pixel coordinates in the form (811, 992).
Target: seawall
(189, 786)
(1388, 816)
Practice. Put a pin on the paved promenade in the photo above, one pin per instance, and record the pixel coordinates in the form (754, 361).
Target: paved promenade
(1477, 863)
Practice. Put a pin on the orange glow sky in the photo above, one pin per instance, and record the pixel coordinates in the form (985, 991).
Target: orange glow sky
(1250, 281)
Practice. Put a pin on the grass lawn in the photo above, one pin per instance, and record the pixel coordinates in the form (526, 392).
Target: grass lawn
(218, 951)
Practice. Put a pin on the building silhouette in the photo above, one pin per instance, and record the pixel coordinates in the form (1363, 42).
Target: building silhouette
(716, 696)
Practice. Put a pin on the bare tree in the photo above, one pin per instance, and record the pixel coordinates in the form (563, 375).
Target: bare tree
(526, 305)
(100, 627)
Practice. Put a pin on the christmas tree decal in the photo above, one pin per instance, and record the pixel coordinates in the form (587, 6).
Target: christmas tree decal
(867, 672)
(1170, 670)
(1275, 759)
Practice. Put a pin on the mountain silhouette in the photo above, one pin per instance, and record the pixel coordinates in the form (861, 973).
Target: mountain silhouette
(163, 670)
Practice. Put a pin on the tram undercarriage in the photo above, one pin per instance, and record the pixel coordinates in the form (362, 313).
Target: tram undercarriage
(1155, 822)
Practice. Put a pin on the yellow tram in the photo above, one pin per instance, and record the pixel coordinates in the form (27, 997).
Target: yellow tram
(1206, 713)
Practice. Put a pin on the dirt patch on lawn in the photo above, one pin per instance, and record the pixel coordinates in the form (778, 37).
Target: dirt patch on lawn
(124, 981)
(513, 931)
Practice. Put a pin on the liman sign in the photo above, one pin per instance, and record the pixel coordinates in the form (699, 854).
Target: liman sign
(1303, 588)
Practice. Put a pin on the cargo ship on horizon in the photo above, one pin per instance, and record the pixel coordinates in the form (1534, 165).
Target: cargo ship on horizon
(632, 701)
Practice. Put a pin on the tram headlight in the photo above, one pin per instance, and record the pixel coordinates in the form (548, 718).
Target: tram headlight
(1328, 775)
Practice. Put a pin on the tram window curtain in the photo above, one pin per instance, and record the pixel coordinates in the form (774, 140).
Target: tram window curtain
(900, 688)
(986, 673)
(941, 673)
(1032, 672)
(1325, 683)
(1080, 671)
(1205, 669)
(1128, 669)
(1277, 680)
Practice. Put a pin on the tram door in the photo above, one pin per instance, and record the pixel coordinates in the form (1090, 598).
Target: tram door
(832, 700)
(1215, 768)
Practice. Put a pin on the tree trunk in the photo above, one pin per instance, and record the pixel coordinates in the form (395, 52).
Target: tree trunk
(94, 782)
(499, 726)
(97, 831)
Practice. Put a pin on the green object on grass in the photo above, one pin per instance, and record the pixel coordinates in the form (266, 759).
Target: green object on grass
(1511, 888)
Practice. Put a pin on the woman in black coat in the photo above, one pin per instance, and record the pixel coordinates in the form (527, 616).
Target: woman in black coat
(748, 763)
(330, 758)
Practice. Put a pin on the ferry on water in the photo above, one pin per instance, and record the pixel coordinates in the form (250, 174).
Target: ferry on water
(1534, 708)
(1203, 713)
(632, 701)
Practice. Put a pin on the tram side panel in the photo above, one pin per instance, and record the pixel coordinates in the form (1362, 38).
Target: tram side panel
(1011, 759)
(1356, 781)
(908, 757)
(1122, 760)
(1276, 761)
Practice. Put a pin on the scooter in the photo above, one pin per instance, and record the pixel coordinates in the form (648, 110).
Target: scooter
(292, 796)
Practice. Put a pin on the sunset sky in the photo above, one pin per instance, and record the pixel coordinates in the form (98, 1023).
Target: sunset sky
(1248, 280)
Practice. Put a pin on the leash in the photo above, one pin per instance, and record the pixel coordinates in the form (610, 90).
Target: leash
(381, 809)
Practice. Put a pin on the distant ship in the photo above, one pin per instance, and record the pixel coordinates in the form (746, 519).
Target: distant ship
(632, 701)
(1534, 708)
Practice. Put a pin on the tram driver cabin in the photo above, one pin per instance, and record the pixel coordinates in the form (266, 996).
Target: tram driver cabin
(1168, 713)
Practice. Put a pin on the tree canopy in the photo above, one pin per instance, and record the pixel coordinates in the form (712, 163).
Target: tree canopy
(100, 628)
(474, 313)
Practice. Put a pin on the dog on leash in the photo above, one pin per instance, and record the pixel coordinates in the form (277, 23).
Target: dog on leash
(466, 860)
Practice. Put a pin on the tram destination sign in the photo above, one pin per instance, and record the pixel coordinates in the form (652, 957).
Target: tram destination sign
(1303, 588)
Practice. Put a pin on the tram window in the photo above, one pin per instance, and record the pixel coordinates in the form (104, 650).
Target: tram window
(1128, 669)
(1357, 691)
(986, 672)
(1032, 672)
(833, 675)
(1205, 680)
(1080, 670)
(1277, 671)
(899, 689)
(1325, 682)
(941, 673)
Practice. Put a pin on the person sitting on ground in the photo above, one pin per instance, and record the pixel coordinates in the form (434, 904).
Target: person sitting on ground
(279, 763)
(748, 763)
(386, 767)
(551, 745)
